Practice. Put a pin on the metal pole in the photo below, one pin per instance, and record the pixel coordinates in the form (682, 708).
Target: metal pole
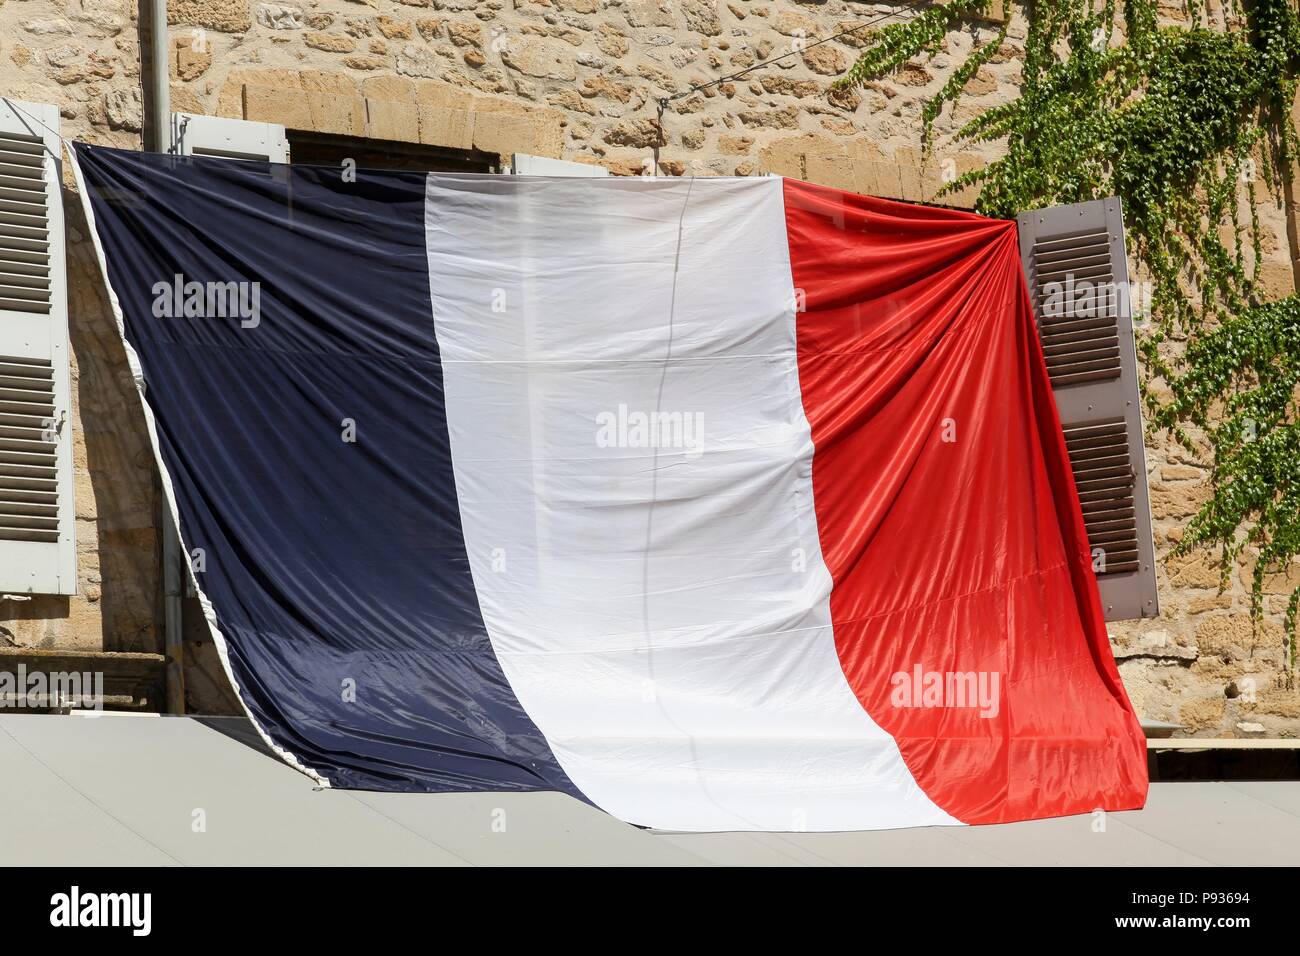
(173, 620)
(157, 81)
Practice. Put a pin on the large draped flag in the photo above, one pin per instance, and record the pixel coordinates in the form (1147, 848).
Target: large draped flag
(722, 504)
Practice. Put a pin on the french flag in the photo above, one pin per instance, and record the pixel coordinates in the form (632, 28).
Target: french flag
(721, 504)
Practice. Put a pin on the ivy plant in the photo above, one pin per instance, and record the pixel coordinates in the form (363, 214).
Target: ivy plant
(1183, 121)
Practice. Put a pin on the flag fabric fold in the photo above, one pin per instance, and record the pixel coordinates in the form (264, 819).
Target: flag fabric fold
(722, 504)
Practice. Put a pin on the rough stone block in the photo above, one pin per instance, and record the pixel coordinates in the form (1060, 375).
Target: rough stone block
(445, 126)
(505, 133)
(227, 16)
(276, 105)
(334, 113)
(393, 120)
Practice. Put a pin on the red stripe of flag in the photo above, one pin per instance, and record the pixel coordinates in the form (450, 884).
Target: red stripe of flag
(948, 516)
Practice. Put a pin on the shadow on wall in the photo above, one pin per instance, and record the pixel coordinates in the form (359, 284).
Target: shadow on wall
(117, 500)
(119, 506)
(33, 620)
(207, 689)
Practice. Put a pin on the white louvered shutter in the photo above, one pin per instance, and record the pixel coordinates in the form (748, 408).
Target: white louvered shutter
(194, 135)
(1077, 270)
(37, 519)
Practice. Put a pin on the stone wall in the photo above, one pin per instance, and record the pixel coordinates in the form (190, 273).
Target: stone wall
(579, 80)
(83, 56)
(1204, 664)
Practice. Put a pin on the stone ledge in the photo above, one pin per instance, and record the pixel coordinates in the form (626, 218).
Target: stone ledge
(132, 681)
(392, 108)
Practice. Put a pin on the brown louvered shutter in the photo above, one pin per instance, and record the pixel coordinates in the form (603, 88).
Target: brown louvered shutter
(1077, 269)
(37, 551)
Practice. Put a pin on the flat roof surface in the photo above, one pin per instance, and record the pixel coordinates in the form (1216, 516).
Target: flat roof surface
(125, 790)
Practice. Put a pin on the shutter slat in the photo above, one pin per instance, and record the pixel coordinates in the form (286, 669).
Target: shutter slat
(21, 497)
(1086, 462)
(32, 171)
(11, 532)
(28, 264)
(21, 184)
(31, 280)
(25, 292)
(30, 396)
(26, 195)
(1079, 378)
(1083, 359)
(21, 142)
(28, 477)
(14, 215)
(1081, 343)
(1066, 324)
(1085, 270)
(1108, 506)
(25, 369)
(1112, 475)
(12, 239)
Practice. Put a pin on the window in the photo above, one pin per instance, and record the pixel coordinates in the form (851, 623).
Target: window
(326, 149)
